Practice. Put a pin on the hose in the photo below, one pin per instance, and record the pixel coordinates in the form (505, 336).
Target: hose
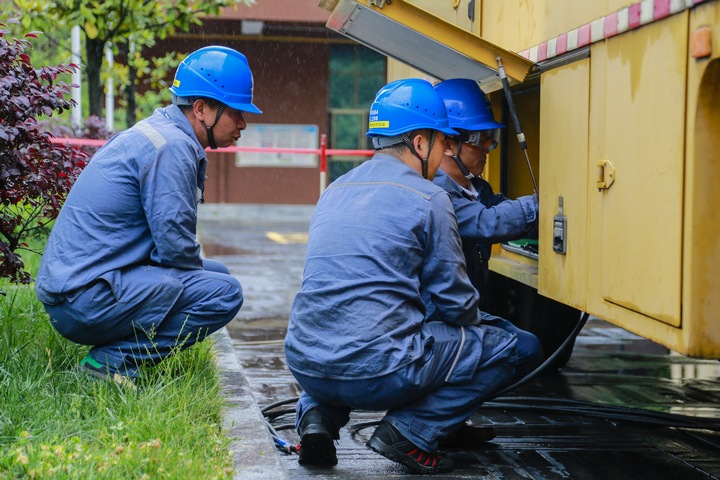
(581, 323)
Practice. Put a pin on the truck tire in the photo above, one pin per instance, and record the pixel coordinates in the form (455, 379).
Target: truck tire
(551, 321)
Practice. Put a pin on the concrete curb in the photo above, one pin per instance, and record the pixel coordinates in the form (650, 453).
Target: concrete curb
(254, 454)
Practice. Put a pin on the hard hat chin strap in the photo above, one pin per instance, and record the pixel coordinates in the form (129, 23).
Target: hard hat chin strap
(461, 165)
(211, 137)
(406, 139)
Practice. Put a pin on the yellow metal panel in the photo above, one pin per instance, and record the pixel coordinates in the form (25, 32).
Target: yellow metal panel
(638, 100)
(701, 241)
(453, 11)
(563, 157)
(519, 181)
(399, 70)
(515, 266)
(520, 24)
(635, 322)
(414, 36)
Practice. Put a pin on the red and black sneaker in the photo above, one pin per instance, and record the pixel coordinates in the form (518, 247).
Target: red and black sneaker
(391, 444)
(316, 440)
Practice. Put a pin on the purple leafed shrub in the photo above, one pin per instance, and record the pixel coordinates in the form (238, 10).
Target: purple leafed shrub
(93, 127)
(35, 174)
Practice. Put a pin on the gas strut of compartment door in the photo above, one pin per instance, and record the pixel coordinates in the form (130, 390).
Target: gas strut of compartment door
(516, 122)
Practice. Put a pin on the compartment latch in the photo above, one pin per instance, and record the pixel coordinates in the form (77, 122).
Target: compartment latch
(560, 229)
(606, 174)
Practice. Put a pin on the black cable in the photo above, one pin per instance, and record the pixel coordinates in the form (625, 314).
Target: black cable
(356, 427)
(578, 405)
(581, 323)
(599, 411)
(272, 415)
(286, 426)
(595, 410)
(278, 404)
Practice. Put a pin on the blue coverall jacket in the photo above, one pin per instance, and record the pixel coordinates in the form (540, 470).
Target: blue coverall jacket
(122, 267)
(489, 218)
(484, 219)
(381, 236)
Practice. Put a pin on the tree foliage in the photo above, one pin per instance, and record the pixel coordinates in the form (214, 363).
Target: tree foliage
(35, 174)
(126, 25)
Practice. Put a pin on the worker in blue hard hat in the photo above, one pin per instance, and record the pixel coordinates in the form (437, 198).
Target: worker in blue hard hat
(220, 78)
(401, 109)
(484, 217)
(122, 270)
(381, 236)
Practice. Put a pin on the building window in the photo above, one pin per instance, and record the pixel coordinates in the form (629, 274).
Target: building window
(356, 74)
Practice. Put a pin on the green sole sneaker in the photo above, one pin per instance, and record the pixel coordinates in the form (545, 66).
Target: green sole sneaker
(92, 367)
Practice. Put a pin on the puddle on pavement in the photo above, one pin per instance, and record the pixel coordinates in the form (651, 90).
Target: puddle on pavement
(609, 349)
(264, 330)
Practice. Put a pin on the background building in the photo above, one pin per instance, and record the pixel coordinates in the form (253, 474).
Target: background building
(308, 82)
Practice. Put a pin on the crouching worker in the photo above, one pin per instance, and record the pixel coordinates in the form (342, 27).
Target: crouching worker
(381, 236)
(122, 269)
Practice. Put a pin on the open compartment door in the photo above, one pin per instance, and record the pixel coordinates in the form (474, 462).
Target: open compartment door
(428, 43)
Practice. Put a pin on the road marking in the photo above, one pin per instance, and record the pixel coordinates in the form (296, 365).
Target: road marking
(286, 238)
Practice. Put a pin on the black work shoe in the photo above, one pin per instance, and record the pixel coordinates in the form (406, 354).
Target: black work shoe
(390, 443)
(468, 436)
(316, 440)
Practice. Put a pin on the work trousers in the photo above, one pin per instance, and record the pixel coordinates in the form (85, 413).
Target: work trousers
(431, 397)
(142, 314)
(530, 353)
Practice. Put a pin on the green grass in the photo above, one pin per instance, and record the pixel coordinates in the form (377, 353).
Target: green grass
(58, 423)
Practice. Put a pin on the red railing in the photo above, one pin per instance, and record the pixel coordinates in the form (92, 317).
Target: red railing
(323, 151)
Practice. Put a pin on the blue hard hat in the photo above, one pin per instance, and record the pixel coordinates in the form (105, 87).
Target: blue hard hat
(216, 72)
(467, 106)
(405, 105)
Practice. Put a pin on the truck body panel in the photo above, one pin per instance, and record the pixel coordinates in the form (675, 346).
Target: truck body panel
(620, 105)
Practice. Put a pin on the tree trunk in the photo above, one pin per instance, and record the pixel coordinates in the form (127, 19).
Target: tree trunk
(130, 97)
(94, 49)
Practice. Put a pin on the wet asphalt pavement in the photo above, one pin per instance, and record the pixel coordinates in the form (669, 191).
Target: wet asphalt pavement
(557, 426)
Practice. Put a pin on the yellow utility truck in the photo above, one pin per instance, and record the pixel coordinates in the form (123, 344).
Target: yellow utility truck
(619, 104)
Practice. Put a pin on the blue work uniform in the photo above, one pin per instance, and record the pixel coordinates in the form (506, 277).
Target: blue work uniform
(380, 237)
(484, 218)
(122, 267)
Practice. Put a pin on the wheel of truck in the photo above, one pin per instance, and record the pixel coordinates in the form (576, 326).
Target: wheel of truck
(551, 321)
